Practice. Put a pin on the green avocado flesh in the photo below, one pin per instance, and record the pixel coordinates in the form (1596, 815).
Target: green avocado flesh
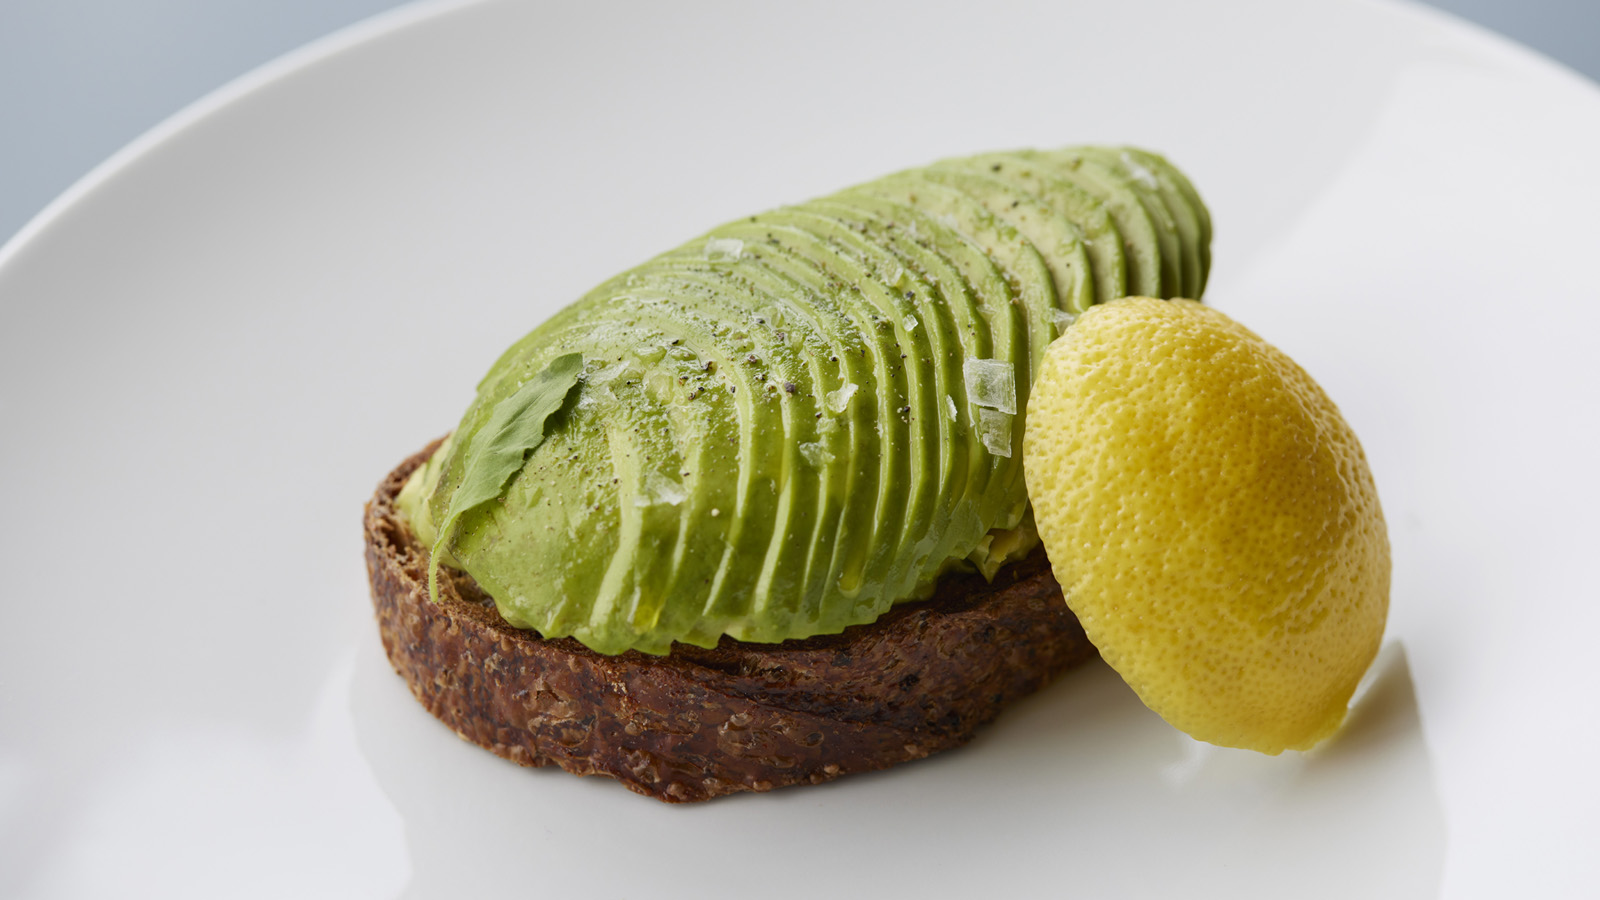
(789, 424)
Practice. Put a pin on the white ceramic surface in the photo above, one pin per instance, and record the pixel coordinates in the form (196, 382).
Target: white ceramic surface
(214, 346)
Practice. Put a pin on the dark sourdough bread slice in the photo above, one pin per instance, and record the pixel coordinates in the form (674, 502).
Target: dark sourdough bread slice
(699, 723)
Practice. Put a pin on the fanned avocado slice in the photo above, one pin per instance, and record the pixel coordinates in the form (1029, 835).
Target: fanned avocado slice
(784, 426)
(855, 463)
(1148, 274)
(1025, 268)
(995, 297)
(905, 264)
(1024, 277)
(1166, 230)
(895, 322)
(825, 268)
(956, 331)
(760, 468)
(582, 482)
(770, 565)
(1173, 183)
(1178, 226)
(792, 316)
(1058, 242)
(1103, 242)
(729, 349)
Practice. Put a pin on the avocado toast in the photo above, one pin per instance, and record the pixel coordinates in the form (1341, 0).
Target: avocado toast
(752, 513)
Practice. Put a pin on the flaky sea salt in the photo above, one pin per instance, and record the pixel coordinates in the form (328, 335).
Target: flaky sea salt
(721, 249)
(610, 373)
(816, 454)
(837, 401)
(1064, 320)
(1140, 174)
(659, 490)
(991, 383)
(994, 428)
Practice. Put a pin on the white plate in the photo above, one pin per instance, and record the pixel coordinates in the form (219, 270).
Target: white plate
(212, 349)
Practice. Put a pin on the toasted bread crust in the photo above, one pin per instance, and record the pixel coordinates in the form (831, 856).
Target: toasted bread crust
(699, 723)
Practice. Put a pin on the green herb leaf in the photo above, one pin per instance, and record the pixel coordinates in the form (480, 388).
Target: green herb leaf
(500, 449)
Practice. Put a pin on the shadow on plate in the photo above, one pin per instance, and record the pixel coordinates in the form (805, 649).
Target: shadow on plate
(1078, 786)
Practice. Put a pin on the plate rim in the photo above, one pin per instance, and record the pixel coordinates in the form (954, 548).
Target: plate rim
(373, 28)
(417, 13)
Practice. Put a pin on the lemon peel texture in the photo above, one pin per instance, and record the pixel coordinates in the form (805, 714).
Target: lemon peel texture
(1212, 520)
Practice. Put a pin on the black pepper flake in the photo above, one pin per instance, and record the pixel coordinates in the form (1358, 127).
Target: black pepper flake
(790, 387)
(995, 167)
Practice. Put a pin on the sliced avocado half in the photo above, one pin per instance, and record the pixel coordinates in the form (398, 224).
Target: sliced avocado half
(790, 423)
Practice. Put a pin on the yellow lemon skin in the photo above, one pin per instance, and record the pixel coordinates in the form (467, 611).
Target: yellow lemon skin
(1212, 520)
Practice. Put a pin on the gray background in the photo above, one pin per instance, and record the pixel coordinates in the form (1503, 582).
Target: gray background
(80, 78)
